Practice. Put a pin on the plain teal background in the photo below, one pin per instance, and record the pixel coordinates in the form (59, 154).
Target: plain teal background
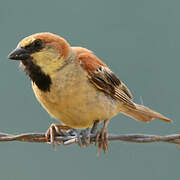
(140, 41)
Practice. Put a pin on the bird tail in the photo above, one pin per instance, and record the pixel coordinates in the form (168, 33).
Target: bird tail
(143, 113)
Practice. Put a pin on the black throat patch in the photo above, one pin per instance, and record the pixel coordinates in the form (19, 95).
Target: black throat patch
(42, 80)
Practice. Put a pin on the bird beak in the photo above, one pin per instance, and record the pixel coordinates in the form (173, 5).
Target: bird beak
(19, 54)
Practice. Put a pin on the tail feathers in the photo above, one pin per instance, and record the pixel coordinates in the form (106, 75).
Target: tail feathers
(144, 114)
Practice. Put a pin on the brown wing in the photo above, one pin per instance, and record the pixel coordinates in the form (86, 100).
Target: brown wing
(104, 79)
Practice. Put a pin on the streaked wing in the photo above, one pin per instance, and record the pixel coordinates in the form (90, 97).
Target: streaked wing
(104, 79)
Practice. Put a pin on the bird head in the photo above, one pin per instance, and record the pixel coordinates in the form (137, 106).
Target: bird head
(46, 51)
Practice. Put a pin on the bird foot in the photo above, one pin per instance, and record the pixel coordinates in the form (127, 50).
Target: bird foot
(102, 140)
(56, 130)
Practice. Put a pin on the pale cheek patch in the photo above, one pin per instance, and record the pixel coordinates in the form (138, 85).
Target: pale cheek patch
(48, 60)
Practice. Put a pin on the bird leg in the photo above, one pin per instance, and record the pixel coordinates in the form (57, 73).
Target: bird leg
(102, 138)
(94, 128)
(55, 130)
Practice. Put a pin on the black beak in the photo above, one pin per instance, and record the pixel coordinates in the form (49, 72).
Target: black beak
(19, 54)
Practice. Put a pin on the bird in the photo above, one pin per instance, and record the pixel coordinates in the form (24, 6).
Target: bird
(75, 87)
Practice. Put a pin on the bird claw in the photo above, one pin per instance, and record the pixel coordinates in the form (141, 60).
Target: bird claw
(102, 140)
(83, 138)
(54, 131)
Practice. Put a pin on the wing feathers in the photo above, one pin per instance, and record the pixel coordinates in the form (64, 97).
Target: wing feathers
(104, 79)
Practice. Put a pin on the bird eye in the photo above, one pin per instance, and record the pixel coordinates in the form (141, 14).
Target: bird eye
(38, 44)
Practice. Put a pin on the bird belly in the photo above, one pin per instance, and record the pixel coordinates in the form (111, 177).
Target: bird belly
(74, 101)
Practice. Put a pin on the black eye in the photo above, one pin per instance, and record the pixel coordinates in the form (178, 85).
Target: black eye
(37, 44)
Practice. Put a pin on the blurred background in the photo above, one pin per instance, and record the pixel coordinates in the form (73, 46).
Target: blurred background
(140, 41)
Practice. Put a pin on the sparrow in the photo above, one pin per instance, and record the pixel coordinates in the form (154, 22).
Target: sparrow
(75, 87)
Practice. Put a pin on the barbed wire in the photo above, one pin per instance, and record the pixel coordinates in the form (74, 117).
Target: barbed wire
(73, 139)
